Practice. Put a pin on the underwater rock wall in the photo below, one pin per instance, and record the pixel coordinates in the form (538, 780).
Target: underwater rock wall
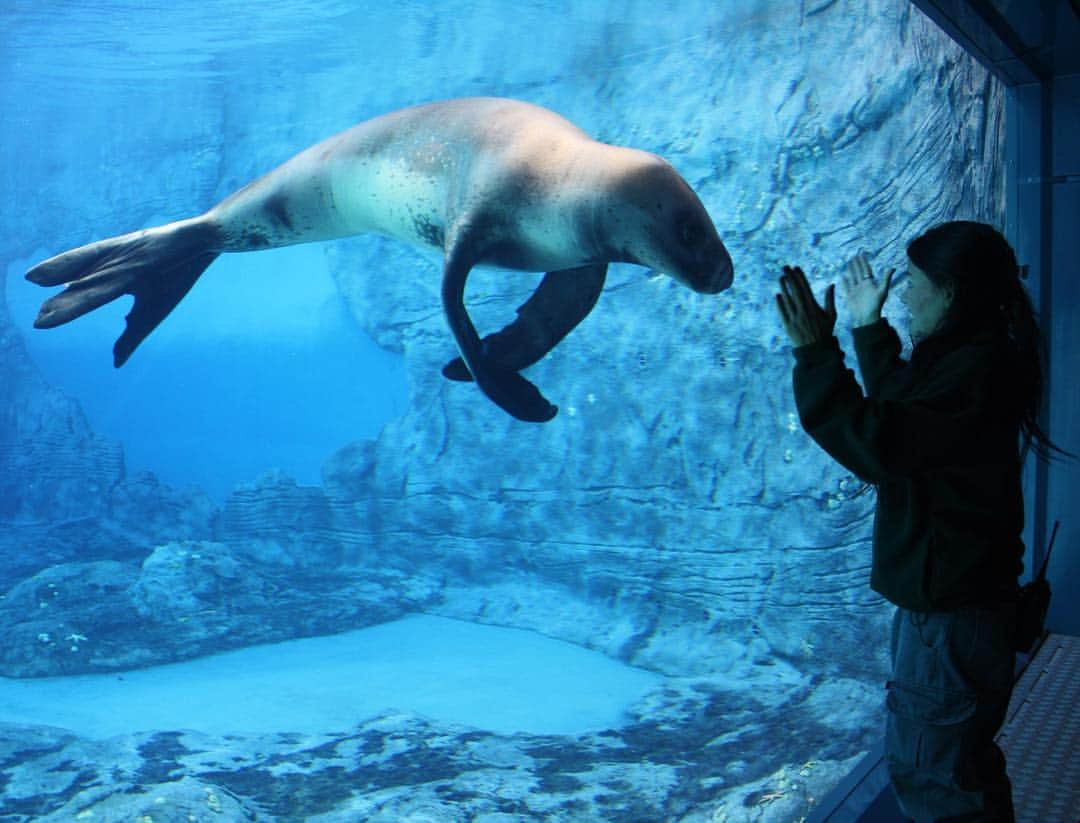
(673, 514)
(47, 450)
(64, 492)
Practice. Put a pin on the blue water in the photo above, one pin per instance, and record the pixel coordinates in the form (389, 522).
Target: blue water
(260, 367)
(201, 402)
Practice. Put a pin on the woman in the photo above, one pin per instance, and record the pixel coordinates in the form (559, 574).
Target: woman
(940, 439)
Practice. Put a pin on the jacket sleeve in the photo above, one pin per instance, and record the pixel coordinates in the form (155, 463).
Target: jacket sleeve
(879, 439)
(877, 349)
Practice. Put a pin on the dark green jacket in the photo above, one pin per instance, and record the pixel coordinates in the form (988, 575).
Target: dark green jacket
(939, 438)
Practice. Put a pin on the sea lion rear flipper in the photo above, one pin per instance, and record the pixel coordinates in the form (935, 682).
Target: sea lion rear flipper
(505, 387)
(157, 266)
(562, 300)
(154, 299)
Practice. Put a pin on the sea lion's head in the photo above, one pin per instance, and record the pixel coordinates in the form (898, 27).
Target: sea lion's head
(655, 219)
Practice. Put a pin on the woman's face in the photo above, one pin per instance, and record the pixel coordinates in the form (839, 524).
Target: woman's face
(925, 302)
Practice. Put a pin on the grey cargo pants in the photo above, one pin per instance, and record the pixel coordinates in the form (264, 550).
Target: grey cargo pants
(951, 682)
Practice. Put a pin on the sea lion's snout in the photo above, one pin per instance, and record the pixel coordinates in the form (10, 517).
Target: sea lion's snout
(714, 272)
(723, 273)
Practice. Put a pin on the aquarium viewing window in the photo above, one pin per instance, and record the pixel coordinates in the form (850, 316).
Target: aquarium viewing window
(278, 566)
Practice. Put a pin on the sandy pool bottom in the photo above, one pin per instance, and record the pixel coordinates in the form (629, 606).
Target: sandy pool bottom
(497, 679)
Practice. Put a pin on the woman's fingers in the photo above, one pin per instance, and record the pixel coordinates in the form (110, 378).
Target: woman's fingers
(791, 319)
(801, 287)
(790, 301)
(803, 317)
(790, 289)
(851, 272)
(886, 284)
(785, 314)
(786, 300)
(800, 296)
(849, 278)
(859, 269)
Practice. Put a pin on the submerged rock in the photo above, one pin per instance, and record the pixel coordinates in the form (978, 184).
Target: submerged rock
(674, 759)
(186, 600)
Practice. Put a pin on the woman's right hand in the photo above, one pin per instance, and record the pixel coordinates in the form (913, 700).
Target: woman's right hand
(864, 295)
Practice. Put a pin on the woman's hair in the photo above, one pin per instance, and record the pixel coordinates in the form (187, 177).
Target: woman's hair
(977, 263)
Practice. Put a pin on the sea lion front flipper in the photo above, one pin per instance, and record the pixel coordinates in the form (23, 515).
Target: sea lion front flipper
(562, 300)
(506, 388)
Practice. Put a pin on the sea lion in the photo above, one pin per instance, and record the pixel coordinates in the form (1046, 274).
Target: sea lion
(485, 180)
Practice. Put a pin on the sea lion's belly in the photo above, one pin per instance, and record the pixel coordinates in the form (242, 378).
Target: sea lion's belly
(394, 195)
(339, 188)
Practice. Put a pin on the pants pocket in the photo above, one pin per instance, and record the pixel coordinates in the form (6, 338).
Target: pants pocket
(926, 728)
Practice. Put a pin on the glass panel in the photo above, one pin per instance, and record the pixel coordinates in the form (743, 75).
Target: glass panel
(278, 563)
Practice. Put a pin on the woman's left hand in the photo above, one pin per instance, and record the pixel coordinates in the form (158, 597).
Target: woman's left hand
(805, 321)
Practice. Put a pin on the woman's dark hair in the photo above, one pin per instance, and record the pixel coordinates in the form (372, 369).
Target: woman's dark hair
(977, 263)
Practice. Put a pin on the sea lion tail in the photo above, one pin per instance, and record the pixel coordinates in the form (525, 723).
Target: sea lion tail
(157, 266)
